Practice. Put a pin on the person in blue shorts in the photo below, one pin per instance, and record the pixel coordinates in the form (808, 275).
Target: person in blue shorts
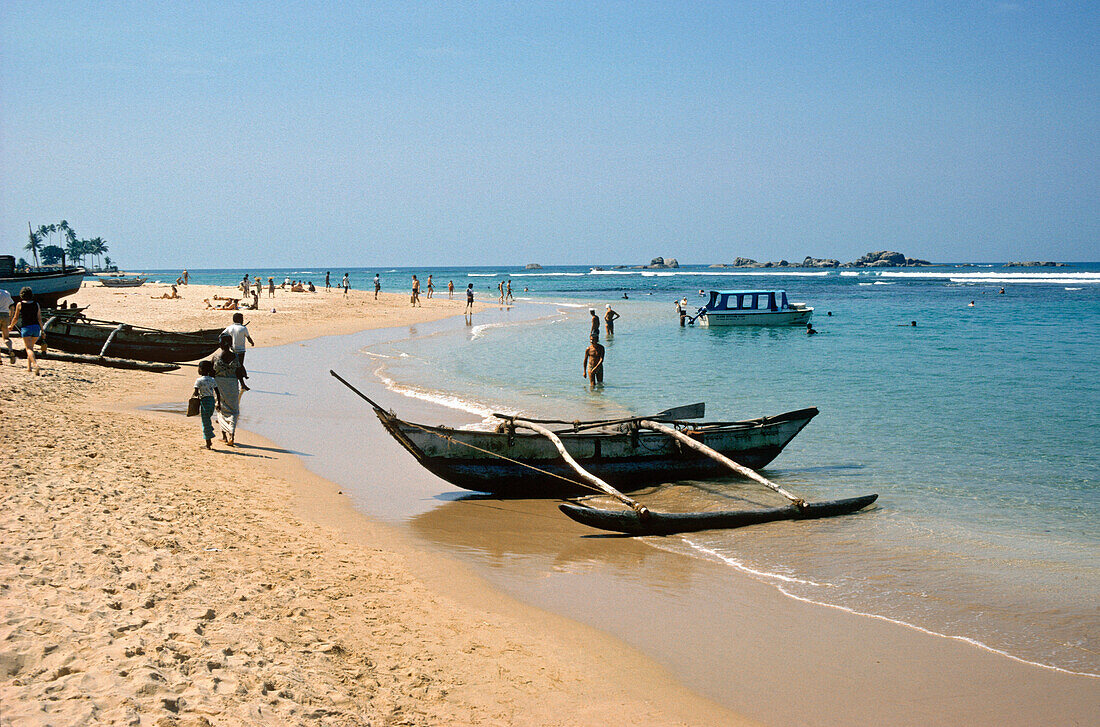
(28, 319)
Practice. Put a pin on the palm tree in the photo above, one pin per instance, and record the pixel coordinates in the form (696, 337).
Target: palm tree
(97, 246)
(107, 261)
(75, 249)
(34, 244)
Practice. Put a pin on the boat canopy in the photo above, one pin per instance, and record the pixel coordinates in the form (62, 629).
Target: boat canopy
(763, 300)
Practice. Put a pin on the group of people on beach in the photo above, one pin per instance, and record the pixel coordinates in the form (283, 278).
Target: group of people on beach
(429, 290)
(221, 381)
(594, 355)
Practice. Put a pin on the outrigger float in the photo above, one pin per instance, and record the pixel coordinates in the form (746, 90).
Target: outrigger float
(631, 452)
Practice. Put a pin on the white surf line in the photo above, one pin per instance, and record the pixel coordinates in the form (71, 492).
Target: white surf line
(742, 567)
(441, 398)
(965, 639)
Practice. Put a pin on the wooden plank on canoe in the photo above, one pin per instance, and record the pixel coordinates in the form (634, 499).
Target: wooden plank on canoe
(660, 523)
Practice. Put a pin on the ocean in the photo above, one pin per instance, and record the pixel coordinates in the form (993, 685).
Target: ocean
(976, 427)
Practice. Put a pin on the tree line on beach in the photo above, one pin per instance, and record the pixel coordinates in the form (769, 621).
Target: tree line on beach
(41, 245)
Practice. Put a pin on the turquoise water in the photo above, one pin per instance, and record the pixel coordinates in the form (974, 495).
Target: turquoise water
(977, 427)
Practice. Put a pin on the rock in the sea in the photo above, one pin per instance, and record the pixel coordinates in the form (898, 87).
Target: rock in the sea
(885, 259)
(813, 262)
(532, 266)
(1035, 264)
(660, 263)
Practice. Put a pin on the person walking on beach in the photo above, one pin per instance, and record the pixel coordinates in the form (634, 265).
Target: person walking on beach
(6, 306)
(595, 332)
(470, 298)
(259, 287)
(206, 389)
(500, 291)
(271, 287)
(430, 286)
(238, 331)
(327, 286)
(346, 284)
(246, 285)
(508, 295)
(28, 319)
(609, 320)
(415, 292)
(450, 290)
(377, 286)
(185, 277)
(593, 361)
(229, 374)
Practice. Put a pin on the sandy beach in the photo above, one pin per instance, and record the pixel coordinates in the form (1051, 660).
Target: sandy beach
(146, 580)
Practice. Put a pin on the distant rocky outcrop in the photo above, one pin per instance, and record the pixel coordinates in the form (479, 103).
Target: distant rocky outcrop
(886, 259)
(815, 262)
(1036, 264)
(532, 266)
(659, 263)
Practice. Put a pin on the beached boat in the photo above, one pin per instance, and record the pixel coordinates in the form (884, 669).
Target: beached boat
(120, 340)
(48, 285)
(753, 308)
(513, 463)
(123, 282)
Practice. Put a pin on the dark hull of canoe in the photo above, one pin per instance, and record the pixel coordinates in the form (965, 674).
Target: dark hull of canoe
(624, 460)
(47, 288)
(122, 282)
(139, 345)
(653, 523)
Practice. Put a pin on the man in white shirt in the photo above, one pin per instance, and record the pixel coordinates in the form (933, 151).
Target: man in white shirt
(6, 305)
(239, 332)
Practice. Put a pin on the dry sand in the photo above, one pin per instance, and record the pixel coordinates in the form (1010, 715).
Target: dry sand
(145, 580)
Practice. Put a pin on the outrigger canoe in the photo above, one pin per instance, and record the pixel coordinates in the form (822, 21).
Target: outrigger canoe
(120, 340)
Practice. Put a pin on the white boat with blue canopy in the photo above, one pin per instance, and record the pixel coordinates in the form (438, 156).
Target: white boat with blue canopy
(753, 308)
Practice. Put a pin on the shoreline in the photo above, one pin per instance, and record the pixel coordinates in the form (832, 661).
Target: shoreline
(388, 648)
(594, 561)
(488, 542)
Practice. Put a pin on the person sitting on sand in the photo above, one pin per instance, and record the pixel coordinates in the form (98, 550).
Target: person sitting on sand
(297, 288)
(229, 304)
(593, 361)
(311, 288)
(206, 389)
(170, 296)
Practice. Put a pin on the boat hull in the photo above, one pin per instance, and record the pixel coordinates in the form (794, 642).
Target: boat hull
(758, 318)
(139, 345)
(626, 460)
(47, 288)
(122, 282)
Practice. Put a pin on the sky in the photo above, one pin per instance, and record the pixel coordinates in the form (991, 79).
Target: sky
(463, 133)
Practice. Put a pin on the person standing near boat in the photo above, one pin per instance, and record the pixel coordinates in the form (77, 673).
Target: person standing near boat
(238, 332)
(593, 360)
(229, 374)
(6, 305)
(28, 319)
(681, 312)
(206, 389)
(609, 320)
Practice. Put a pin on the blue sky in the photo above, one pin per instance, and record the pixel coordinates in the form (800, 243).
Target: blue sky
(226, 134)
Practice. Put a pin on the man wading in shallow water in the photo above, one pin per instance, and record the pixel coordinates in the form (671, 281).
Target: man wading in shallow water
(593, 361)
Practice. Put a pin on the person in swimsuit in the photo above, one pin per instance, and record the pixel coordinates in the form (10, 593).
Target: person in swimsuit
(609, 320)
(415, 292)
(593, 361)
(327, 286)
(595, 332)
(451, 289)
(470, 298)
(430, 286)
(28, 319)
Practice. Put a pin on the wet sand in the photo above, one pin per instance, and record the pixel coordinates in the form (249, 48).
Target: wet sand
(736, 640)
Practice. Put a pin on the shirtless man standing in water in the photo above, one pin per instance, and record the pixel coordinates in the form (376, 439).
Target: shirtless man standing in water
(593, 361)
